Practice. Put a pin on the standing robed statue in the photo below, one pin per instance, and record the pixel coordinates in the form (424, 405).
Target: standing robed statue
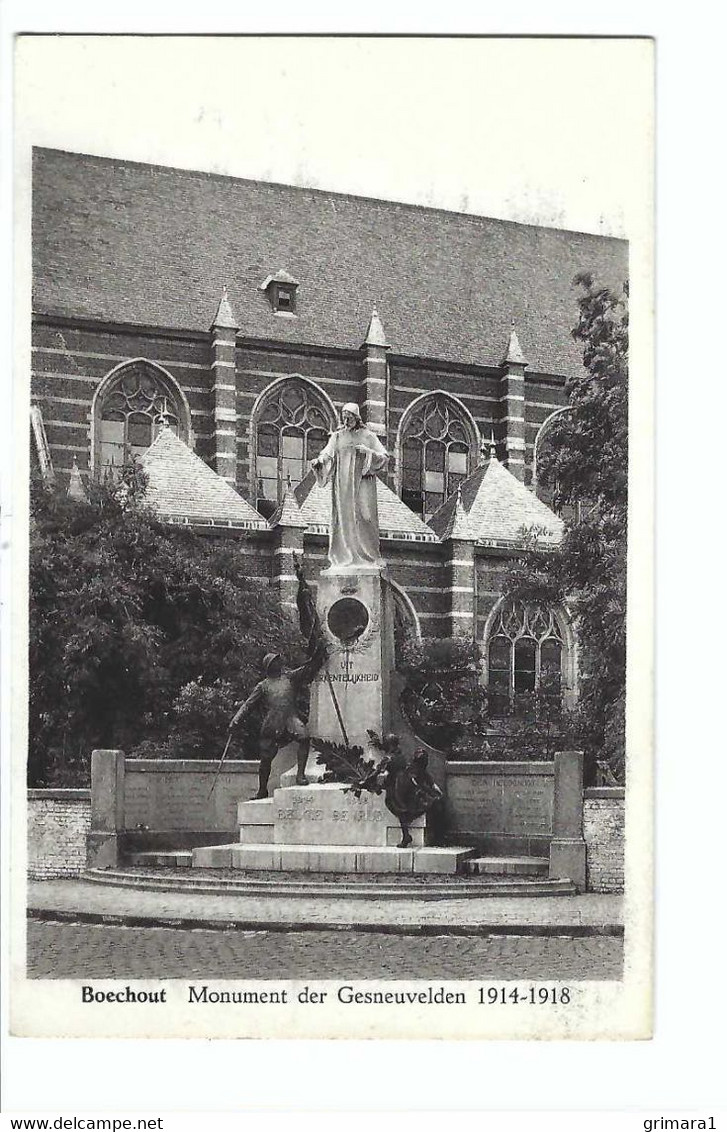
(349, 462)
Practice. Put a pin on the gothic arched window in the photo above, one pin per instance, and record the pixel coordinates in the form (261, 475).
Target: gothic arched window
(129, 413)
(436, 448)
(292, 426)
(525, 653)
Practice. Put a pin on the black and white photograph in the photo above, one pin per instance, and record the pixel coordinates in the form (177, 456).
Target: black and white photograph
(335, 699)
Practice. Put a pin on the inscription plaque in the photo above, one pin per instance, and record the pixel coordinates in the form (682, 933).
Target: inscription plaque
(511, 804)
(175, 801)
(529, 805)
(325, 814)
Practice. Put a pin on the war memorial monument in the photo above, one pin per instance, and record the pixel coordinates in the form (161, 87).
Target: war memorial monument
(374, 820)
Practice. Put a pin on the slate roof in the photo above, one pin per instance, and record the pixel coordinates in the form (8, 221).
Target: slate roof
(498, 506)
(125, 242)
(182, 488)
(457, 523)
(288, 513)
(396, 520)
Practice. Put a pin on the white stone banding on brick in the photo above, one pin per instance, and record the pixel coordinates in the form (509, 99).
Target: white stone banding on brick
(276, 374)
(119, 358)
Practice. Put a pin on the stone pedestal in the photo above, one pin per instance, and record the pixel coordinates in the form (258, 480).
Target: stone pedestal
(107, 809)
(568, 846)
(357, 616)
(324, 814)
(322, 828)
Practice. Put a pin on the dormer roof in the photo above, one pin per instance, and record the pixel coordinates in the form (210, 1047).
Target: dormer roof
(181, 488)
(458, 524)
(288, 513)
(499, 509)
(279, 276)
(396, 520)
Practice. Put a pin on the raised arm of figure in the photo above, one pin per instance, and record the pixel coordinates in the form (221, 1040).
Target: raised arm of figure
(307, 672)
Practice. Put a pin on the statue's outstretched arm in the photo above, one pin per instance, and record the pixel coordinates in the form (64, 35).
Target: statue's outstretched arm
(323, 463)
(244, 710)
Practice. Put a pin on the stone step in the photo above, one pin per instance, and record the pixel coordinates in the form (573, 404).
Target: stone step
(163, 859)
(314, 772)
(515, 866)
(221, 856)
(332, 858)
(395, 886)
(213, 856)
(256, 811)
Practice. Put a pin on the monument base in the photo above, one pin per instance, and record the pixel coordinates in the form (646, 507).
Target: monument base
(323, 828)
(323, 814)
(332, 858)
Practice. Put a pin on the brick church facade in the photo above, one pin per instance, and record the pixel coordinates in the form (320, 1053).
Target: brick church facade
(214, 327)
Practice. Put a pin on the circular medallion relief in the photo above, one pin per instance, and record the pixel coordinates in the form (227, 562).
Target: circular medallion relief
(347, 619)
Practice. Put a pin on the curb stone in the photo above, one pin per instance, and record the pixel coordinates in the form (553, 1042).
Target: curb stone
(563, 931)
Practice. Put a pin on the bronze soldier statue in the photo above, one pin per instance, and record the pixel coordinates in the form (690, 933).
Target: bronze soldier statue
(277, 694)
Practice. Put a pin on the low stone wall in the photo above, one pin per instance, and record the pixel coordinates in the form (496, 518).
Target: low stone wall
(502, 807)
(603, 829)
(173, 796)
(58, 823)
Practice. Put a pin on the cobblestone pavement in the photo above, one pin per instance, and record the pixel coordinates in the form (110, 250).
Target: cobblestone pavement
(88, 951)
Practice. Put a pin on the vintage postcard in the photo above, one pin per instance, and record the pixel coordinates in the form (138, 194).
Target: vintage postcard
(331, 717)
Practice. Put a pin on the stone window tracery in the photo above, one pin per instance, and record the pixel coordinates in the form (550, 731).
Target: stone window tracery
(130, 412)
(435, 454)
(525, 654)
(292, 427)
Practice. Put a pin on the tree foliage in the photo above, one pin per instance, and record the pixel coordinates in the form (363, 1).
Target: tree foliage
(142, 636)
(447, 705)
(584, 458)
(442, 696)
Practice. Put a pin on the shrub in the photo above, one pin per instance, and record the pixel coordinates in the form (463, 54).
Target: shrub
(143, 636)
